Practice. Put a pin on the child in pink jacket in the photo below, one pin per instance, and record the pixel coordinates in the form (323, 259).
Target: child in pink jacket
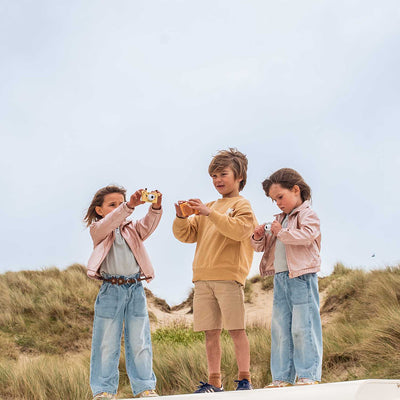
(291, 253)
(120, 260)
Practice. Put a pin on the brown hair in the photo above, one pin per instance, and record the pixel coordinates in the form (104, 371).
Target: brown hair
(287, 178)
(230, 158)
(98, 199)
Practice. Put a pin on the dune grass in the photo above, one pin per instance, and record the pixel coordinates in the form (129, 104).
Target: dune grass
(48, 311)
(45, 377)
(46, 319)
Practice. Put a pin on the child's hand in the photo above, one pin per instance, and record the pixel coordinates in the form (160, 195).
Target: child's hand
(157, 206)
(276, 227)
(196, 204)
(178, 209)
(259, 232)
(135, 199)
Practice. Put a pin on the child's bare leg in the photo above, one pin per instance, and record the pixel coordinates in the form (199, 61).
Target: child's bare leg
(242, 351)
(213, 350)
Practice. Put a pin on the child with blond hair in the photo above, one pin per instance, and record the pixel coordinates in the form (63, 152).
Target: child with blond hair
(222, 261)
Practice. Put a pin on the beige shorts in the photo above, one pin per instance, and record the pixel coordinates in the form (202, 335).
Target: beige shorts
(217, 305)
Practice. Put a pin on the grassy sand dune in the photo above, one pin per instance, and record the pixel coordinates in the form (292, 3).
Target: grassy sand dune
(46, 322)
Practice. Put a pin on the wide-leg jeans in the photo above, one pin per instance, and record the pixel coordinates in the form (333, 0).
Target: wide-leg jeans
(296, 333)
(118, 307)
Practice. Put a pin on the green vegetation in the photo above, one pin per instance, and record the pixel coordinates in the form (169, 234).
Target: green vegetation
(46, 322)
(46, 312)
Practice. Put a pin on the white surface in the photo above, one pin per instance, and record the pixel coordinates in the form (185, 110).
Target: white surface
(374, 389)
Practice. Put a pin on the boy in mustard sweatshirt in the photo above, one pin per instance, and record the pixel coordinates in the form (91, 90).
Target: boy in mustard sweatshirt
(222, 261)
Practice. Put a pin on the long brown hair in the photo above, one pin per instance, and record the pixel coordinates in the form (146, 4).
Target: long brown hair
(98, 199)
(230, 158)
(287, 178)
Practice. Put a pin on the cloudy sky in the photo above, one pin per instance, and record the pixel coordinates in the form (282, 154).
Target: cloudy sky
(144, 93)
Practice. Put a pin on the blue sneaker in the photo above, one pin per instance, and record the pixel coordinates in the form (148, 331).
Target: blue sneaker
(244, 384)
(205, 387)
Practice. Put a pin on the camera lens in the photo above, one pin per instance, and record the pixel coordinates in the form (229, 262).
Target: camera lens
(151, 196)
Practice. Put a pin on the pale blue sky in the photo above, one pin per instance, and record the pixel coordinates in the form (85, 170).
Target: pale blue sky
(143, 93)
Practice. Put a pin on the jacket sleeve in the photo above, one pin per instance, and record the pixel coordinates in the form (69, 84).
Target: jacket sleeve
(308, 230)
(258, 245)
(262, 244)
(147, 225)
(99, 230)
(185, 229)
(238, 227)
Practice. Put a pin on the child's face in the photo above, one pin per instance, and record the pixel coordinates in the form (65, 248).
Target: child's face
(110, 203)
(286, 199)
(225, 183)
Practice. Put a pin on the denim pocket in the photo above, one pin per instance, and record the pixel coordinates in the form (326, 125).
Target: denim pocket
(303, 277)
(106, 302)
(299, 290)
(139, 304)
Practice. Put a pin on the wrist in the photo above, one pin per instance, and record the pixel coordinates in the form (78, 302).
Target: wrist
(130, 206)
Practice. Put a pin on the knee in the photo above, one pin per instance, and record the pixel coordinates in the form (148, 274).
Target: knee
(213, 335)
(238, 333)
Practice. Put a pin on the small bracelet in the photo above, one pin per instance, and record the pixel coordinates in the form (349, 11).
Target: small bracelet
(129, 207)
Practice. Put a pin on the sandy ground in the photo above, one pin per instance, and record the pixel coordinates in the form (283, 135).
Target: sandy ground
(258, 311)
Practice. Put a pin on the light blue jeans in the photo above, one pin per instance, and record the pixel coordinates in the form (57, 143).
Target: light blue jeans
(117, 307)
(296, 333)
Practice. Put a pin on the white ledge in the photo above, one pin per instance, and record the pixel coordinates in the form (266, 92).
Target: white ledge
(371, 389)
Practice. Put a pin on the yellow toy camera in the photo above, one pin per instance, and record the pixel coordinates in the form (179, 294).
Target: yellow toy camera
(150, 197)
(187, 210)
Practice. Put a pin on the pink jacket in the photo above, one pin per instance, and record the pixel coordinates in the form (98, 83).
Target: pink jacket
(302, 240)
(134, 232)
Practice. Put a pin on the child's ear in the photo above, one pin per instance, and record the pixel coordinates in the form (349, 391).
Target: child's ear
(99, 211)
(296, 189)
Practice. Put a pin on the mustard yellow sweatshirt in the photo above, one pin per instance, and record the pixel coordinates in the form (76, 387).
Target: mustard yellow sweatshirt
(223, 250)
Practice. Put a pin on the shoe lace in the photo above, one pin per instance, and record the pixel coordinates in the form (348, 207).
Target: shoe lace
(206, 387)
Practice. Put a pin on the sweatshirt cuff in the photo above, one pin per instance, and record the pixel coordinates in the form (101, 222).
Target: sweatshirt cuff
(180, 221)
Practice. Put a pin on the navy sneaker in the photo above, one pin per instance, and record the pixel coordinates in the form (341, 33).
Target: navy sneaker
(244, 384)
(205, 387)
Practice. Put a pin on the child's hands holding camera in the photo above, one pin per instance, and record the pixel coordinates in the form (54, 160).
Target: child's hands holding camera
(178, 209)
(259, 232)
(193, 206)
(135, 199)
(157, 205)
(276, 227)
(198, 206)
